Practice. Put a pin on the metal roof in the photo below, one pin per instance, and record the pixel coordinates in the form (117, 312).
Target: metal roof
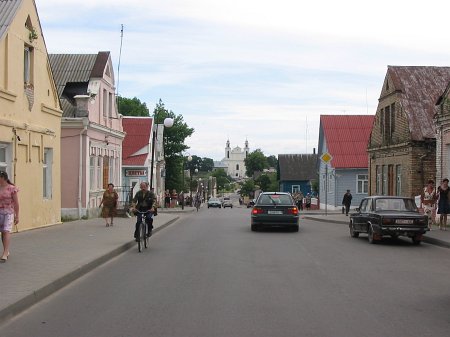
(297, 167)
(8, 10)
(346, 138)
(138, 131)
(419, 88)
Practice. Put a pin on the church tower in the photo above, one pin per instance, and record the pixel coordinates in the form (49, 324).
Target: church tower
(227, 150)
(246, 148)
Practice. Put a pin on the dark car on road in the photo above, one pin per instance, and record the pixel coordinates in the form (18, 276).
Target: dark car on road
(275, 209)
(380, 216)
(214, 202)
(251, 203)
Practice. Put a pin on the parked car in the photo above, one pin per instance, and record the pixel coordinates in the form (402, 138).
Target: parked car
(380, 216)
(275, 209)
(227, 202)
(214, 202)
(251, 203)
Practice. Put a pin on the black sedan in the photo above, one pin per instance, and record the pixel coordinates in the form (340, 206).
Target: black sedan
(380, 216)
(274, 209)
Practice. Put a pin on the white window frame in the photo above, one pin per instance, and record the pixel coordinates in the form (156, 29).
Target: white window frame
(362, 183)
(99, 173)
(92, 172)
(295, 189)
(5, 164)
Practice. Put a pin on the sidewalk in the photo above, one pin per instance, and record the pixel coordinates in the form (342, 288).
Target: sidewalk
(435, 236)
(45, 260)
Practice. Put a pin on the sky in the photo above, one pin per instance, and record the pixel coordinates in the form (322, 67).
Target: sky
(252, 69)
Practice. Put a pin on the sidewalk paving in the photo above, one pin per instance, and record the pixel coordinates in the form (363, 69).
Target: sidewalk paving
(44, 260)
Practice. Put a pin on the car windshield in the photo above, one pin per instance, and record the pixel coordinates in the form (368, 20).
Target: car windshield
(402, 205)
(213, 199)
(275, 199)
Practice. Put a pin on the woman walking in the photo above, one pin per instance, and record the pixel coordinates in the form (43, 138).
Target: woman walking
(9, 212)
(109, 202)
(443, 204)
(428, 199)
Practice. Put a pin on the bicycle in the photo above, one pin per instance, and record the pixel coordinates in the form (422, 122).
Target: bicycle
(142, 237)
(197, 204)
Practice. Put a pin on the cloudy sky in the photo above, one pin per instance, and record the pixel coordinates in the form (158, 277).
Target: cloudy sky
(252, 69)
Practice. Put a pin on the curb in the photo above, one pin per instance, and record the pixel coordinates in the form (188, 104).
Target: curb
(38, 295)
(426, 239)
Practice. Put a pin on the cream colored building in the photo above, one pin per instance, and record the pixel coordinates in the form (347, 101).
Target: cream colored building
(235, 160)
(30, 115)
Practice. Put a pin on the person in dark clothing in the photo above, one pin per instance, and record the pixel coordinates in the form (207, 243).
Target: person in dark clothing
(347, 201)
(143, 202)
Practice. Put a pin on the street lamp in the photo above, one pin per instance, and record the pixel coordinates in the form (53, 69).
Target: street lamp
(190, 183)
(168, 123)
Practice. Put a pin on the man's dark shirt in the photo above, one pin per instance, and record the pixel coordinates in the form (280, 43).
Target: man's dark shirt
(144, 200)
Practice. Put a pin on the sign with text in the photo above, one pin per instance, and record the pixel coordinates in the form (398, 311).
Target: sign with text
(135, 173)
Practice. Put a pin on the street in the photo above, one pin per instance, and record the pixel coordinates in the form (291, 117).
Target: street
(209, 275)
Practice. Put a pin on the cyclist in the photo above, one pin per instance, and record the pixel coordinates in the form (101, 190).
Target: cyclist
(143, 202)
(197, 201)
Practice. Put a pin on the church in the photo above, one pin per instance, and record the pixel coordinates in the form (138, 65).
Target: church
(233, 163)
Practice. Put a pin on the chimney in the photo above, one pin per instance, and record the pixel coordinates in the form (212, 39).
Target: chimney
(82, 105)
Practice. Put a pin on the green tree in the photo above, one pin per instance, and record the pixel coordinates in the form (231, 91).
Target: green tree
(174, 145)
(132, 107)
(272, 161)
(221, 179)
(264, 182)
(248, 188)
(255, 162)
(207, 165)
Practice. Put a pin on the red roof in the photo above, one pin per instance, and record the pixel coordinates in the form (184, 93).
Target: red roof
(346, 138)
(138, 131)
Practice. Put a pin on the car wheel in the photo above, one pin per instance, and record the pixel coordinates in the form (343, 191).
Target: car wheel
(353, 233)
(254, 228)
(416, 241)
(295, 229)
(371, 236)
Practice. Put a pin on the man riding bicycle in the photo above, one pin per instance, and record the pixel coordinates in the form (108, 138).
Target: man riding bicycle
(143, 202)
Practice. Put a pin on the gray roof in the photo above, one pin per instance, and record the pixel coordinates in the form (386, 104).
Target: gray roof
(8, 10)
(75, 68)
(419, 88)
(297, 167)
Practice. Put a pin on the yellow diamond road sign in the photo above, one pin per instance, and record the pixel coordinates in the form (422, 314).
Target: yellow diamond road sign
(326, 157)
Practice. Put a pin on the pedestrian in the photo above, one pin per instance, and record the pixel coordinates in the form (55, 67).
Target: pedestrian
(143, 201)
(443, 204)
(428, 199)
(300, 201)
(9, 211)
(109, 202)
(174, 198)
(308, 201)
(347, 201)
(167, 199)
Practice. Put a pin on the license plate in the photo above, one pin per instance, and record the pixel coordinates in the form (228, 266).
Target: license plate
(404, 222)
(274, 212)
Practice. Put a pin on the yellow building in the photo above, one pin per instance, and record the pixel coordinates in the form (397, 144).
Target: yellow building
(30, 116)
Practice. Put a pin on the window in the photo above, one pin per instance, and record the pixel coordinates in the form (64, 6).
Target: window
(47, 173)
(362, 184)
(363, 207)
(5, 157)
(295, 189)
(378, 182)
(28, 65)
(92, 173)
(105, 103)
(387, 123)
(228, 154)
(398, 184)
(237, 167)
(384, 189)
(99, 175)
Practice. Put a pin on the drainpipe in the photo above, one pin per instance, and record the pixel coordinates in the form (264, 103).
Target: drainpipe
(80, 168)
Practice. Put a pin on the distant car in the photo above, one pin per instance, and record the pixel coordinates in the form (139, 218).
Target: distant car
(227, 202)
(380, 216)
(251, 203)
(214, 202)
(275, 209)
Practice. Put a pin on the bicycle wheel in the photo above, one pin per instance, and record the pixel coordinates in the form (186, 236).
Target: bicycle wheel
(145, 235)
(141, 242)
(139, 237)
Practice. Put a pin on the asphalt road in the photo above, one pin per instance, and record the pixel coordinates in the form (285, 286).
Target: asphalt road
(209, 275)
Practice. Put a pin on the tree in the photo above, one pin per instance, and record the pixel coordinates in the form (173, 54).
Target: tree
(221, 178)
(132, 107)
(207, 165)
(264, 182)
(255, 162)
(272, 161)
(174, 145)
(248, 188)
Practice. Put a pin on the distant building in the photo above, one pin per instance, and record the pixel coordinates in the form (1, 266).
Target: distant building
(234, 161)
(296, 172)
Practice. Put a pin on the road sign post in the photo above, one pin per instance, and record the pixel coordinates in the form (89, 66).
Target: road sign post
(326, 158)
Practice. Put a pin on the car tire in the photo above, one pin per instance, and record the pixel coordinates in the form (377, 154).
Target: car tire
(254, 228)
(295, 229)
(353, 233)
(370, 236)
(416, 241)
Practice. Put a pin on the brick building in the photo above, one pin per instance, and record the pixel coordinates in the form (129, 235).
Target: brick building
(402, 145)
